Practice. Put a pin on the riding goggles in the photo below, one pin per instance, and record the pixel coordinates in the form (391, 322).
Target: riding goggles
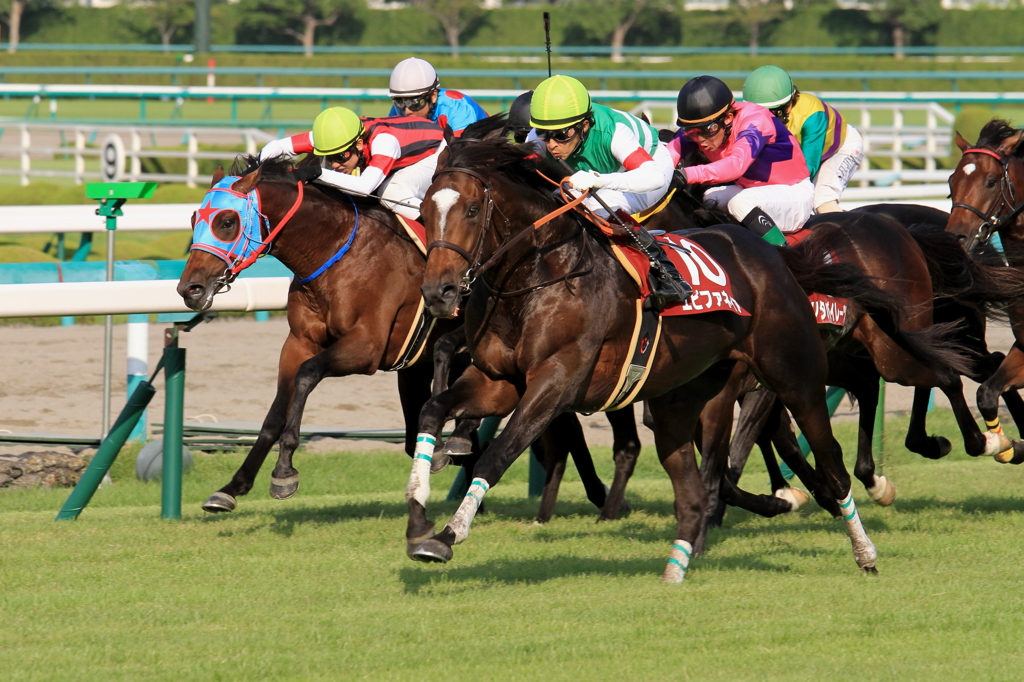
(562, 135)
(781, 112)
(704, 130)
(417, 103)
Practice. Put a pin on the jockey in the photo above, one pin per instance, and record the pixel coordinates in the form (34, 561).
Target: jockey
(394, 157)
(749, 147)
(416, 91)
(833, 148)
(518, 122)
(615, 153)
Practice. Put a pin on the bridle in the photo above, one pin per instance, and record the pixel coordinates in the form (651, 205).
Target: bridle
(476, 267)
(1004, 209)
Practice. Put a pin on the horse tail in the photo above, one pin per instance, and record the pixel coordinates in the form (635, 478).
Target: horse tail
(937, 346)
(980, 282)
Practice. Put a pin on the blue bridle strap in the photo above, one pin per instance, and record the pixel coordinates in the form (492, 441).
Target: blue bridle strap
(341, 252)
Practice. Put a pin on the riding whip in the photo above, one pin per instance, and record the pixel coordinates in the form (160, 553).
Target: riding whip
(547, 39)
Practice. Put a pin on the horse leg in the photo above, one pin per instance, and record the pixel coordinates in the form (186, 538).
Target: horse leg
(674, 417)
(351, 355)
(294, 352)
(414, 389)
(715, 429)
(552, 450)
(918, 440)
(446, 348)
(569, 427)
(1007, 379)
(626, 451)
(544, 399)
(472, 396)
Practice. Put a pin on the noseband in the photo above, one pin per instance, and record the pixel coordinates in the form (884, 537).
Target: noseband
(996, 216)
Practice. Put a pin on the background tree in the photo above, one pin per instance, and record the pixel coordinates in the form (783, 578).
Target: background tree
(609, 21)
(169, 16)
(11, 13)
(905, 16)
(455, 18)
(756, 14)
(298, 19)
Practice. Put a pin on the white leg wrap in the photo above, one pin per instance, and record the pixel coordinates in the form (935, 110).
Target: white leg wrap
(883, 492)
(419, 479)
(996, 443)
(678, 562)
(863, 549)
(796, 497)
(467, 510)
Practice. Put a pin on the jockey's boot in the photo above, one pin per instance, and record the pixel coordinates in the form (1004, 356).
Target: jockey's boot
(761, 224)
(667, 286)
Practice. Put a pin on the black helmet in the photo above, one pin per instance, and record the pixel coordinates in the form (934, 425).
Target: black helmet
(703, 99)
(519, 113)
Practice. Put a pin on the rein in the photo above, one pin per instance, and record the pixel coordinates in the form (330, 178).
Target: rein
(476, 267)
(993, 221)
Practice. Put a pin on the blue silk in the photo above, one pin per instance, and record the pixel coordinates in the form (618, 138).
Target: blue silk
(250, 235)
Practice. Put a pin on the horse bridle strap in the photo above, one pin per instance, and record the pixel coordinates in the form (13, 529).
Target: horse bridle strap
(991, 220)
(242, 265)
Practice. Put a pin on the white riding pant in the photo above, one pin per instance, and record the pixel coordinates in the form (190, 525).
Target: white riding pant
(409, 185)
(835, 172)
(788, 205)
(634, 203)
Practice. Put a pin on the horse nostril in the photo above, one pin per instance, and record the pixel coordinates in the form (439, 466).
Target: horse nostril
(449, 293)
(196, 291)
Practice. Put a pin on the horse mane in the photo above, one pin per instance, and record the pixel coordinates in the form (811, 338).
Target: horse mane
(279, 167)
(485, 128)
(517, 163)
(995, 132)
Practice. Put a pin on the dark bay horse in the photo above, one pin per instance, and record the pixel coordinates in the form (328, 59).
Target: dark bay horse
(987, 188)
(559, 346)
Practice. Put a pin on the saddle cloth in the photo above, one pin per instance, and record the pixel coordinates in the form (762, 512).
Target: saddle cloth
(417, 233)
(712, 290)
(827, 309)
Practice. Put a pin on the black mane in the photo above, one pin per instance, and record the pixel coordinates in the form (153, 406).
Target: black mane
(518, 163)
(279, 168)
(995, 132)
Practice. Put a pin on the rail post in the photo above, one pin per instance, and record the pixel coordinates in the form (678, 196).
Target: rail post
(878, 437)
(174, 409)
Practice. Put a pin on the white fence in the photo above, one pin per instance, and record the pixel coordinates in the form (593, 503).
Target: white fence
(119, 149)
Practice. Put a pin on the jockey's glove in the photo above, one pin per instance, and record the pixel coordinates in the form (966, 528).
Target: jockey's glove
(307, 173)
(682, 175)
(273, 149)
(583, 180)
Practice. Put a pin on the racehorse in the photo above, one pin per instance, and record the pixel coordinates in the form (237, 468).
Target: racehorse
(986, 214)
(551, 328)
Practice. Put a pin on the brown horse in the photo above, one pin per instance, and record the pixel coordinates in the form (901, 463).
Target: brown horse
(355, 318)
(559, 345)
(985, 188)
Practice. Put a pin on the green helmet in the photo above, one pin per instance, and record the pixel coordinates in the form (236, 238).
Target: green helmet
(335, 130)
(768, 86)
(559, 102)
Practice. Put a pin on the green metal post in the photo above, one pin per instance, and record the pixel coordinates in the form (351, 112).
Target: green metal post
(537, 475)
(107, 453)
(201, 27)
(174, 408)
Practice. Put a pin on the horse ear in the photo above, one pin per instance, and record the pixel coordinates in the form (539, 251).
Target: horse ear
(218, 175)
(961, 142)
(1010, 144)
(449, 135)
(442, 158)
(247, 182)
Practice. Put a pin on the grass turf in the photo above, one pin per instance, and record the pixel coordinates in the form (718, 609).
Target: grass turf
(318, 587)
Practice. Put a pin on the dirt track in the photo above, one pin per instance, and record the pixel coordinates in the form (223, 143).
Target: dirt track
(53, 380)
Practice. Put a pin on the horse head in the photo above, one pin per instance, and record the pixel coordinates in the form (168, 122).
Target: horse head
(984, 185)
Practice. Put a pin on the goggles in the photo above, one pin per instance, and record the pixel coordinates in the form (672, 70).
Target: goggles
(781, 112)
(417, 103)
(704, 130)
(563, 135)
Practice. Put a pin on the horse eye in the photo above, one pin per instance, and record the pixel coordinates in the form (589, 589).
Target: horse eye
(473, 211)
(990, 183)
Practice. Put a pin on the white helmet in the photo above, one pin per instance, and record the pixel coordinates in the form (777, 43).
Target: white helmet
(413, 77)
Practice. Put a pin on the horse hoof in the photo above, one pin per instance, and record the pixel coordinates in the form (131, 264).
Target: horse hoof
(883, 492)
(795, 496)
(219, 502)
(283, 488)
(998, 446)
(673, 574)
(1014, 455)
(433, 551)
(457, 446)
(869, 570)
(412, 544)
(439, 462)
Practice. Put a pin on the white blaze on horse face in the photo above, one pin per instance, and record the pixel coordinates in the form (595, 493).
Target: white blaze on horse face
(969, 168)
(445, 199)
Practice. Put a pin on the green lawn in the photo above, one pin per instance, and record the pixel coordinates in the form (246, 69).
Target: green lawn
(318, 587)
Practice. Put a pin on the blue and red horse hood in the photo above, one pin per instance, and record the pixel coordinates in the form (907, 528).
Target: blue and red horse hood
(221, 197)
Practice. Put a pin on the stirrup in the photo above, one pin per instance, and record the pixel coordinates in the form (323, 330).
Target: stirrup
(667, 291)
